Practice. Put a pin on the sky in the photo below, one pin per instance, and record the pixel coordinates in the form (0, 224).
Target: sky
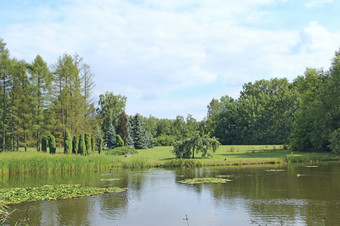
(173, 57)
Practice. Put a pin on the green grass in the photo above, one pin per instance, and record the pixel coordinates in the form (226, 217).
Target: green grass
(34, 162)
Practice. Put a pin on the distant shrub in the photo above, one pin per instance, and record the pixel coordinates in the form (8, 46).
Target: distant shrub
(75, 144)
(82, 147)
(52, 144)
(67, 142)
(119, 141)
(44, 144)
(121, 151)
(334, 140)
(165, 140)
(88, 143)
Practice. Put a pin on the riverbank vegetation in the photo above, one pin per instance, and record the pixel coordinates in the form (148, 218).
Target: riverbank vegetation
(225, 155)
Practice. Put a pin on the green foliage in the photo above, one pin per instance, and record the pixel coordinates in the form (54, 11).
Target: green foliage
(119, 141)
(67, 142)
(50, 192)
(165, 140)
(122, 127)
(121, 151)
(82, 145)
(141, 139)
(110, 137)
(196, 144)
(335, 141)
(100, 145)
(52, 144)
(75, 144)
(44, 143)
(88, 144)
(93, 143)
(205, 181)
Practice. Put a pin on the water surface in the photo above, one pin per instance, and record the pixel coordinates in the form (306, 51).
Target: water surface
(281, 195)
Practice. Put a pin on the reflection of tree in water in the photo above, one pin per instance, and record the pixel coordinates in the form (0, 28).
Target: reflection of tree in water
(75, 211)
(113, 205)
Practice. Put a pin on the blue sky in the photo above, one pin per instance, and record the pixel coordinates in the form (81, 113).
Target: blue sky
(172, 57)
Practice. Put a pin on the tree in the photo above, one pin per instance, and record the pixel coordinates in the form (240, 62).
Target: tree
(139, 135)
(41, 80)
(110, 137)
(119, 141)
(67, 143)
(196, 144)
(44, 143)
(122, 127)
(52, 144)
(82, 147)
(110, 108)
(75, 144)
(88, 144)
(100, 145)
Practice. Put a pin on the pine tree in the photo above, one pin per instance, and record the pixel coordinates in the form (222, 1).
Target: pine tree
(139, 133)
(110, 137)
(67, 142)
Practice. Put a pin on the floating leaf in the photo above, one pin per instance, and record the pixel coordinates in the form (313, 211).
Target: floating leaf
(204, 181)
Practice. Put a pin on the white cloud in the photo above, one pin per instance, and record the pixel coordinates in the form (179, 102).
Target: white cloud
(317, 3)
(147, 49)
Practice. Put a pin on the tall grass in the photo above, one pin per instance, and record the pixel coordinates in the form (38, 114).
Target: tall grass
(33, 162)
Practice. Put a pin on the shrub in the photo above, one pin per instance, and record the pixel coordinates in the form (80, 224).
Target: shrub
(67, 142)
(100, 145)
(44, 144)
(82, 147)
(119, 141)
(334, 140)
(121, 151)
(75, 144)
(88, 143)
(52, 144)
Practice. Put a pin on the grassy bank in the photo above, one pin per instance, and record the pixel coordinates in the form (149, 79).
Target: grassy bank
(33, 162)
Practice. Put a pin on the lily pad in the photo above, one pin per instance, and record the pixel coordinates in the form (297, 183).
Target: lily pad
(205, 181)
(110, 179)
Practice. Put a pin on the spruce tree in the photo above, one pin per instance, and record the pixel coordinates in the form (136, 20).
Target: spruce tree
(67, 142)
(82, 147)
(139, 133)
(110, 137)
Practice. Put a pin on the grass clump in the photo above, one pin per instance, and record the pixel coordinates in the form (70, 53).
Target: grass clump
(205, 181)
(50, 192)
(135, 162)
(182, 163)
(121, 151)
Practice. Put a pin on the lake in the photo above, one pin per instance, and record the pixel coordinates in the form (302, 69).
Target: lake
(259, 195)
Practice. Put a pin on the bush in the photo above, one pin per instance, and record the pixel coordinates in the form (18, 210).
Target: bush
(75, 144)
(335, 141)
(82, 147)
(44, 144)
(88, 143)
(52, 144)
(119, 141)
(121, 151)
(67, 142)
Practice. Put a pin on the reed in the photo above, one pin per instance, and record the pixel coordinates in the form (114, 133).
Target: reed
(32, 162)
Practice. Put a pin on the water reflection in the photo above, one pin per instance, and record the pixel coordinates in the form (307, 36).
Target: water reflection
(257, 195)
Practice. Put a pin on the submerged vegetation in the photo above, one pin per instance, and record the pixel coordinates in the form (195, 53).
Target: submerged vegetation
(50, 192)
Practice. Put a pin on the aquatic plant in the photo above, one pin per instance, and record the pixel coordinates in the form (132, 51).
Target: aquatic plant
(50, 192)
(205, 181)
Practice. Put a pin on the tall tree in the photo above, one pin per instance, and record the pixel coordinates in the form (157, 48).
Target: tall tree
(122, 127)
(5, 67)
(110, 137)
(110, 108)
(41, 80)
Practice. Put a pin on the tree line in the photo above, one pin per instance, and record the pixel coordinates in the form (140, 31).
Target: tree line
(41, 102)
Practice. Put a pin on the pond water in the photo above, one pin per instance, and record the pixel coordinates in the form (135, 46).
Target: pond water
(271, 195)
